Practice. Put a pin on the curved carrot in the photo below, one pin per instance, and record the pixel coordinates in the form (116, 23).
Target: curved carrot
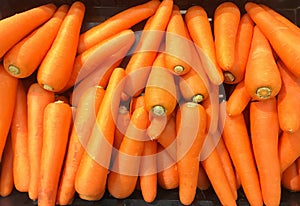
(57, 122)
(117, 23)
(62, 51)
(201, 33)
(263, 114)
(86, 113)
(203, 182)
(25, 57)
(16, 27)
(262, 77)
(122, 123)
(282, 39)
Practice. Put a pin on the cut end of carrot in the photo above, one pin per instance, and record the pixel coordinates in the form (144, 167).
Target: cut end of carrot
(263, 92)
(178, 69)
(228, 77)
(191, 104)
(197, 98)
(14, 70)
(123, 110)
(158, 110)
(48, 87)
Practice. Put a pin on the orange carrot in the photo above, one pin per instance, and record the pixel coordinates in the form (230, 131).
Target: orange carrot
(203, 180)
(16, 27)
(84, 121)
(121, 125)
(226, 22)
(117, 23)
(62, 51)
(37, 99)
(56, 126)
(122, 179)
(290, 178)
(25, 57)
(136, 102)
(138, 67)
(19, 139)
(190, 138)
(282, 39)
(93, 167)
(262, 77)
(8, 93)
(201, 33)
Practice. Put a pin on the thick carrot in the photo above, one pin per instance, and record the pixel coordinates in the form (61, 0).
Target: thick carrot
(25, 57)
(226, 22)
(122, 123)
(263, 115)
(6, 173)
(190, 138)
(37, 99)
(240, 151)
(85, 118)
(283, 40)
(16, 27)
(262, 77)
(203, 182)
(138, 67)
(19, 138)
(238, 99)
(91, 176)
(62, 51)
(88, 61)
(122, 179)
(242, 47)
(290, 178)
(201, 33)
(117, 23)
(288, 100)
(8, 93)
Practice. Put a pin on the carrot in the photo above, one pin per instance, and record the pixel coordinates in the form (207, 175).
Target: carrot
(263, 114)
(88, 61)
(201, 33)
(240, 151)
(178, 56)
(122, 123)
(37, 99)
(56, 126)
(91, 176)
(122, 179)
(138, 67)
(117, 23)
(203, 182)
(288, 99)
(16, 27)
(262, 77)
(242, 47)
(148, 171)
(136, 102)
(86, 113)
(19, 139)
(25, 57)
(226, 22)
(167, 173)
(238, 99)
(190, 138)
(290, 178)
(282, 39)
(157, 125)
(8, 93)
(6, 173)
(62, 51)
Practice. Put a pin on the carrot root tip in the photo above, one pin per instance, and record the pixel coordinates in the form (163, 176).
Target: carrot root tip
(178, 69)
(158, 110)
(263, 92)
(14, 70)
(197, 98)
(48, 87)
(228, 77)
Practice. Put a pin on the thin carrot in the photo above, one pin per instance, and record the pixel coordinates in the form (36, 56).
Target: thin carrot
(136, 102)
(8, 93)
(122, 179)
(240, 151)
(6, 173)
(84, 121)
(122, 123)
(16, 27)
(62, 51)
(56, 126)
(290, 178)
(200, 30)
(288, 100)
(91, 176)
(138, 67)
(37, 99)
(263, 114)
(203, 180)
(282, 39)
(117, 23)
(19, 138)
(190, 138)
(262, 77)
(25, 57)
(242, 47)
(226, 22)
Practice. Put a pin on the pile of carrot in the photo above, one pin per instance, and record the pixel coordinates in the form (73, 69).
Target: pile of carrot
(115, 110)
